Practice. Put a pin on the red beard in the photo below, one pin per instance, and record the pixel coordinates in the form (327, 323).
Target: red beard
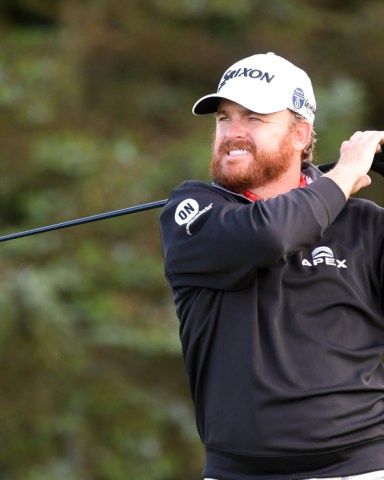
(265, 167)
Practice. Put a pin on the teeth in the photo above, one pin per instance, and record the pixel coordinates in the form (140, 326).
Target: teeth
(238, 152)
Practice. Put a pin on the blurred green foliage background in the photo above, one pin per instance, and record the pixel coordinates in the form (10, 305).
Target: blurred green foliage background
(95, 115)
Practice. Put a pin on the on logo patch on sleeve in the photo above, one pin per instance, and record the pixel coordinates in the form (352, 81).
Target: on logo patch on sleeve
(187, 212)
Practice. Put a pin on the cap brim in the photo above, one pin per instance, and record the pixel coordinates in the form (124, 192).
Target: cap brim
(210, 103)
(207, 104)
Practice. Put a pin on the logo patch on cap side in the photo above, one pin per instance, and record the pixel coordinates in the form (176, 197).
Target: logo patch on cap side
(298, 98)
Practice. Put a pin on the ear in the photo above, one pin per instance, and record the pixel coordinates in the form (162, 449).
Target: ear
(302, 135)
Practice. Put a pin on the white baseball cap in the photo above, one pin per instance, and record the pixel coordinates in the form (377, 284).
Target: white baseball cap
(263, 83)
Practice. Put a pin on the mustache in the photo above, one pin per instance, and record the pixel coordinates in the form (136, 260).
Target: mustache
(239, 144)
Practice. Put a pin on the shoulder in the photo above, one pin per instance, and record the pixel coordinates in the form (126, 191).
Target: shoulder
(363, 205)
(197, 192)
(192, 198)
(363, 215)
(199, 187)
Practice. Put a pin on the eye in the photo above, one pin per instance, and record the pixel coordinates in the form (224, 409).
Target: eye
(253, 118)
(222, 118)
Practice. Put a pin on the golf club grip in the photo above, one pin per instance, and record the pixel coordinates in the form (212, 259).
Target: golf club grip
(377, 164)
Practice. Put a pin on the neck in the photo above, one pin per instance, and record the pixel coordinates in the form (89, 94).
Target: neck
(285, 183)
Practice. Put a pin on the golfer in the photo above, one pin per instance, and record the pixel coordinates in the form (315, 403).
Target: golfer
(277, 277)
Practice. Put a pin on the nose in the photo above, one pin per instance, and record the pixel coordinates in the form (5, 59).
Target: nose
(235, 129)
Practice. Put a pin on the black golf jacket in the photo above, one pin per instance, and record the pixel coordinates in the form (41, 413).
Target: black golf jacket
(280, 305)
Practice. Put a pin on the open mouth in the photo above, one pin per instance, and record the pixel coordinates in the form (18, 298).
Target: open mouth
(233, 153)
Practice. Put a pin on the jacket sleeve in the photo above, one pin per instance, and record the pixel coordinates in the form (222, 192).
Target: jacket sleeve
(212, 240)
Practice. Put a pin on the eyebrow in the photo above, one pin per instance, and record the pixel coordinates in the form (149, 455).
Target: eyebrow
(246, 111)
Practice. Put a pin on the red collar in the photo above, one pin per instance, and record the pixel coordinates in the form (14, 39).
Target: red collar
(253, 197)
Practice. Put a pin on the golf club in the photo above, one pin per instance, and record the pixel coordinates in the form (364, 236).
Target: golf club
(377, 166)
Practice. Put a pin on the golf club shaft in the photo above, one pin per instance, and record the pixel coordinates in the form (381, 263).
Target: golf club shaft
(80, 221)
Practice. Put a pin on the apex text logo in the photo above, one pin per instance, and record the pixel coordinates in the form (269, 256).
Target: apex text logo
(325, 256)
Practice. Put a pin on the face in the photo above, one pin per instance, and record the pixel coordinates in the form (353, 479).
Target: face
(249, 149)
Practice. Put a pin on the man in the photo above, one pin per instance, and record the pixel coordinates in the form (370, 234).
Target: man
(277, 278)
